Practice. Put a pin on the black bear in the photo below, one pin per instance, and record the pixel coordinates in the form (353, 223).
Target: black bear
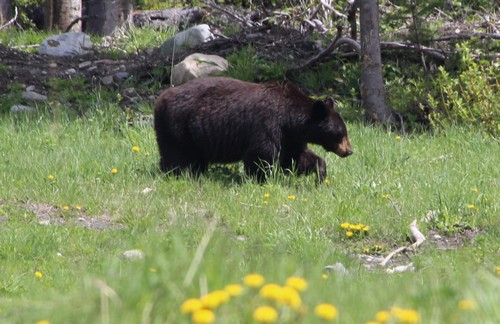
(223, 120)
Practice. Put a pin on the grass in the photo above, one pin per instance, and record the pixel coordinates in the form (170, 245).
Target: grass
(287, 227)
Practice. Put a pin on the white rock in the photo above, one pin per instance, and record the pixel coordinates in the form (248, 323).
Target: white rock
(197, 66)
(134, 255)
(67, 44)
(84, 65)
(190, 38)
(33, 96)
(107, 80)
(21, 108)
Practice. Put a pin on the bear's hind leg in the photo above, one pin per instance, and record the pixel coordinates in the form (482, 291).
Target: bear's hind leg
(176, 161)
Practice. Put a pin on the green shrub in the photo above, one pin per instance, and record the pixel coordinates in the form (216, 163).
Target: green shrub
(467, 96)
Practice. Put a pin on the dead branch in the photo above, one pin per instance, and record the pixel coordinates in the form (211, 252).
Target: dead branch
(335, 11)
(321, 54)
(418, 238)
(438, 55)
(10, 22)
(467, 36)
(243, 21)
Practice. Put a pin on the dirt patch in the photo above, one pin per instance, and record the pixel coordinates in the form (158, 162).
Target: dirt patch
(60, 216)
(453, 241)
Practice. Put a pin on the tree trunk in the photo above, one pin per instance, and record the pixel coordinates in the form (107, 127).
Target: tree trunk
(60, 14)
(105, 16)
(372, 82)
(5, 11)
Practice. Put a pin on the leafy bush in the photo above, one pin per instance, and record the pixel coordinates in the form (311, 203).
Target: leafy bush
(467, 96)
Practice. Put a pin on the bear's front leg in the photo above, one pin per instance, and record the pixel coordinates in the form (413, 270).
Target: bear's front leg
(257, 164)
(308, 162)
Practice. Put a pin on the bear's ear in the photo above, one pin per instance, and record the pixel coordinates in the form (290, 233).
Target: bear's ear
(330, 103)
(320, 110)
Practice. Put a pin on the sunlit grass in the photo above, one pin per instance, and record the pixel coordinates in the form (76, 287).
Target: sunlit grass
(201, 235)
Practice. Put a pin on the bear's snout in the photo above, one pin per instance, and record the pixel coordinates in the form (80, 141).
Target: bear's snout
(345, 148)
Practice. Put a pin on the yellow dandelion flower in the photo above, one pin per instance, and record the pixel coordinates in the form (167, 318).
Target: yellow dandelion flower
(398, 138)
(271, 291)
(114, 171)
(290, 297)
(38, 274)
(324, 276)
(51, 177)
(344, 225)
(377, 247)
(253, 280)
(297, 283)
(265, 314)
(366, 250)
(383, 316)
(349, 234)
(135, 148)
(498, 271)
(292, 197)
(471, 206)
(326, 181)
(211, 300)
(407, 316)
(475, 190)
(234, 289)
(78, 207)
(357, 227)
(191, 305)
(326, 311)
(267, 195)
(42, 322)
(65, 207)
(365, 228)
(385, 196)
(266, 202)
(203, 316)
(467, 305)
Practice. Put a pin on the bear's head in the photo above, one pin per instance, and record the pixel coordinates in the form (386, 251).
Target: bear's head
(328, 128)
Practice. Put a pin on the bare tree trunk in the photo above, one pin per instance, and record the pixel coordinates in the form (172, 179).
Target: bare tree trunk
(105, 16)
(372, 82)
(5, 11)
(61, 13)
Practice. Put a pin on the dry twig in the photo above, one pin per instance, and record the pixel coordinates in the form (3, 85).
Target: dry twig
(418, 237)
(10, 22)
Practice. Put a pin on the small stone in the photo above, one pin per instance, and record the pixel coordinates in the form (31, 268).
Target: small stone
(134, 255)
(70, 71)
(147, 190)
(121, 75)
(21, 108)
(92, 68)
(337, 267)
(107, 80)
(33, 96)
(52, 65)
(84, 65)
(44, 222)
(30, 88)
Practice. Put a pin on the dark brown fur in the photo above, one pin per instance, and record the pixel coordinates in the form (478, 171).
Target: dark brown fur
(223, 120)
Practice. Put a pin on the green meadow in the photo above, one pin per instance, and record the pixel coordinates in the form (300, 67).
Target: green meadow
(77, 193)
